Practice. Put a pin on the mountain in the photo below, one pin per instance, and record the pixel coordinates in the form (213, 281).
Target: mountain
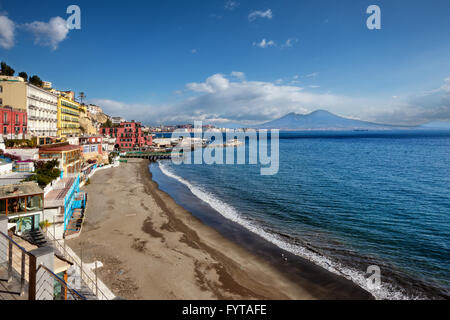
(436, 125)
(321, 120)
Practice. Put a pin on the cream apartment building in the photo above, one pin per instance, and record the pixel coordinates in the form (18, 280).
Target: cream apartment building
(41, 105)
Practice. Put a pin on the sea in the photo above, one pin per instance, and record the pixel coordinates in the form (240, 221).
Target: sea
(344, 201)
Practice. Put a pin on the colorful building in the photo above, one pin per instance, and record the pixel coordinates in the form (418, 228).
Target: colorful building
(23, 205)
(128, 135)
(40, 105)
(13, 123)
(68, 116)
(91, 144)
(69, 157)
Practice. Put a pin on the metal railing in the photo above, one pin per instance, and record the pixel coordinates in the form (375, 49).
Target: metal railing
(90, 280)
(67, 293)
(21, 265)
(17, 261)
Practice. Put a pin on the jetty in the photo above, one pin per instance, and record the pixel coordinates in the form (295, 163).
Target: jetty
(152, 156)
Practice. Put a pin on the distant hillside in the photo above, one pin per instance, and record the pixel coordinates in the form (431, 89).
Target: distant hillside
(321, 120)
(436, 125)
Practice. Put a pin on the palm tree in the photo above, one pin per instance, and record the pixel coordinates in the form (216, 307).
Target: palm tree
(82, 96)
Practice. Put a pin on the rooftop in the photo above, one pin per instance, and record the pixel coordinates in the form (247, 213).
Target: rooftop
(55, 198)
(21, 189)
(58, 148)
(13, 178)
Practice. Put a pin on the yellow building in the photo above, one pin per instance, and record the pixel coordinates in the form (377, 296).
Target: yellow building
(68, 117)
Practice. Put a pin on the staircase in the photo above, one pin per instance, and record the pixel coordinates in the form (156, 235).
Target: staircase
(35, 237)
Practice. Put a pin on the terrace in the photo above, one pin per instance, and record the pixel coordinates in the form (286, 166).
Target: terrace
(22, 200)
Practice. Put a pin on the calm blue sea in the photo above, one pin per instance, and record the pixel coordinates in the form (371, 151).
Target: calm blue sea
(345, 201)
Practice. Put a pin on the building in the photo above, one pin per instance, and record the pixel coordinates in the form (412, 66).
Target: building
(68, 116)
(108, 144)
(128, 135)
(117, 120)
(91, 144)
(92, 149)
(46, 85)
(13, 123)
(23, 166)
(73, 140)
(23, 205)
(93, 109)
(24, 154)
(69, 157)
(83, 108)
(40, 105)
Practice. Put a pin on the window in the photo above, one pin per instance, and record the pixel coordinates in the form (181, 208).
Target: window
(5, 117)
(5, 130)
(24, 119)
(17, 118)
(34, 203)
(1, 100)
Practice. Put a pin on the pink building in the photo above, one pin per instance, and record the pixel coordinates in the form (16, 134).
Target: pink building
(128, 135)
(91, 144)
(13, 123)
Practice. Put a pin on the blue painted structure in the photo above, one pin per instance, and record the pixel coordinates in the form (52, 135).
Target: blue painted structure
(71, 203)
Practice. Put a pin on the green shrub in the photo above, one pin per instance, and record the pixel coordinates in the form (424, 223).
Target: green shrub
(46, 172)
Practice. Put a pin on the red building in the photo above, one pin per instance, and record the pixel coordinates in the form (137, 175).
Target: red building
(13, 123)
(91, 144)
(128, 135)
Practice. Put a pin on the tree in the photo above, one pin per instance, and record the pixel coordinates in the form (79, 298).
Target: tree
(35, 80)
(24, 75)
(45, 172)
(7, 70)
(108, 123)
(82, 96)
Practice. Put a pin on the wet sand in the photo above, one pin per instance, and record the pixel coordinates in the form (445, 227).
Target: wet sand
(152, 248)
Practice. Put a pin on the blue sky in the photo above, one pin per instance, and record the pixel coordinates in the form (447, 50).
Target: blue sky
(239, 61)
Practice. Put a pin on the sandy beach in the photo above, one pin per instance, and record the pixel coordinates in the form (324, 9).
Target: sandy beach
(152, 248)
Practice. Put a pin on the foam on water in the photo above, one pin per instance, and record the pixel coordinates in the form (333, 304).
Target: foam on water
(386, 291)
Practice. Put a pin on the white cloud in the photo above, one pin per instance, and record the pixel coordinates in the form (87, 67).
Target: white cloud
(260, 14)
(264, 43)
(312, 75)
(239, 75)
(213, 84)
(447, 79)
(219, 99)
(193, 51)
(279, 81)
(231, 5)
(48, 33)
(7, 32)
(290, 43)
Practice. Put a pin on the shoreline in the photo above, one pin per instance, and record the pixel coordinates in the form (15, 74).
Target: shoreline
(152, 248)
